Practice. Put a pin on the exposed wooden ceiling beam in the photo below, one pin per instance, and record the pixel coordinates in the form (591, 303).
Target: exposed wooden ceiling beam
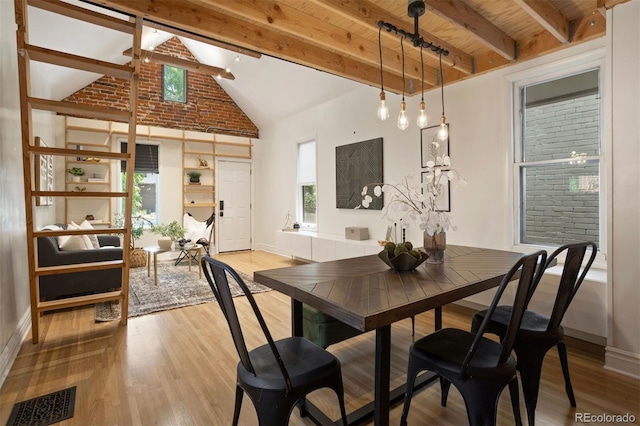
(82, 14)
(160, 58)
(369, 14)
(63, 59)
(280, 17)
(465, 18)
(585, 29)
(548, 16)
(206, 40)
(201, 20)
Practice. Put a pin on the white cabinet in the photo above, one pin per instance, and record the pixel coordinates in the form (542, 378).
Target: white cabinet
(319, 247)
(323, 250)
(294, 244)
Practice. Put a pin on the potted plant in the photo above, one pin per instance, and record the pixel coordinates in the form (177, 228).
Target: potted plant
(194, 177)
(169, 233)
(76, 172)
(137, 255)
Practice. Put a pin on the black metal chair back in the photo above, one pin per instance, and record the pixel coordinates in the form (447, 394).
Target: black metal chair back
(279, 374)
(540, 332)
(531, 268)
(570, 281)
(478, 367)
(221, 290)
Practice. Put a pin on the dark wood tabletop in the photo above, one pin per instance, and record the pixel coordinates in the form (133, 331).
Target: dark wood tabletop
(364, 293)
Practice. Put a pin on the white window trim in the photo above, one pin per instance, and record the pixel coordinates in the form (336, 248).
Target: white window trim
(299, 202)
(546, 72)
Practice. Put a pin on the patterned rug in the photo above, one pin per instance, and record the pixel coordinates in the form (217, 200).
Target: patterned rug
(177, 287)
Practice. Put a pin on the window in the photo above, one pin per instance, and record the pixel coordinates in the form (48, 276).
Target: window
(174, 87)
(557, 165)
(307, 192)
(145, 181)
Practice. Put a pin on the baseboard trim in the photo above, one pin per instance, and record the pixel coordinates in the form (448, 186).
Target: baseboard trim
(10, 351)
(623, 362)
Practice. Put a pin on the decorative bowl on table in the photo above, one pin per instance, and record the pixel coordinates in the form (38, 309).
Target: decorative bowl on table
(405, 261)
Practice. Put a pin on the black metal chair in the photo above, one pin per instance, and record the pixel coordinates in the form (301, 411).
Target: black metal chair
(538, 332)
(478, 367)
(278, 374)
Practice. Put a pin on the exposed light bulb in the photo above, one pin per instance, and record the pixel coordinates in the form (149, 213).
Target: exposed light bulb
(237, 58)
(403, 121)
(383, 111)
(227, 69)
(422, 116)
(443, 132)
(218, 76)
(146, 60)
(151, 47)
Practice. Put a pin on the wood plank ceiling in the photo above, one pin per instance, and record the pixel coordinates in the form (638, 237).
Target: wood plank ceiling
(341, 36)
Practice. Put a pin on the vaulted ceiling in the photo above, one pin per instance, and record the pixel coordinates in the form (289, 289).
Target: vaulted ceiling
(342, 37)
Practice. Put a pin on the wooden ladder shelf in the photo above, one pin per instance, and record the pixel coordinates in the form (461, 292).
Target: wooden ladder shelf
(26, 54)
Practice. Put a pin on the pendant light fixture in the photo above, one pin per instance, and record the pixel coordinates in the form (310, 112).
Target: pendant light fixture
(383, 111)
(443, 132)
(415, 9)
(403, 121)
(422, 114)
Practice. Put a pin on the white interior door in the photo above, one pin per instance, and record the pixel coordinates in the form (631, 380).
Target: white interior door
(234, 206)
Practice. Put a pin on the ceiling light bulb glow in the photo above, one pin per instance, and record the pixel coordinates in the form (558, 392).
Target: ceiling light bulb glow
(403, 121)
(383, 111)
(422, 116)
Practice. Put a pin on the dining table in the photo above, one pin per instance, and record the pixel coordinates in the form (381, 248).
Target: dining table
(366, 294)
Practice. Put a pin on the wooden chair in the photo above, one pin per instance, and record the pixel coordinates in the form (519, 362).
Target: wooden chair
(278, 374)
(538, 332)
(478, 367)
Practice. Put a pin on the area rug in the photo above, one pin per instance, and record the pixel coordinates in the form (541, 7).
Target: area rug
(177, 287)
(44, 410)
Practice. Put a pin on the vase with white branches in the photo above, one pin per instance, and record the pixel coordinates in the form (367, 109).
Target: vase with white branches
(420, 203)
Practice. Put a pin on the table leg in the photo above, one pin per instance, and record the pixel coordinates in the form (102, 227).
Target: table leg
(189, 255)
(148, 264)
(155, 268)
(382, 375)
(296, 318)
(199, 265)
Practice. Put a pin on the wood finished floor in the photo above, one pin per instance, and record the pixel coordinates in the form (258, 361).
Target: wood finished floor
(178, 368)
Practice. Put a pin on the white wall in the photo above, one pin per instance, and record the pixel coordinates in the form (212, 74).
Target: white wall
(479, 111)
(14, 282)
(623, 352)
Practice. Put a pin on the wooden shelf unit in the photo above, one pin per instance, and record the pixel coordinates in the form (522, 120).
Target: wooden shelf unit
(199, 199)
(84, 135)
(31, 150)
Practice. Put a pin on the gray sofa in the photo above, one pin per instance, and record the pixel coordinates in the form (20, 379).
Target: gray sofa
(78, 283)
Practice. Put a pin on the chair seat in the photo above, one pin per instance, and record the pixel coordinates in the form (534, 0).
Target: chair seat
(447, 349)
(302, 359)
(533, 323)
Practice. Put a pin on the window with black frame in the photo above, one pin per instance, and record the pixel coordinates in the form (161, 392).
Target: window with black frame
(145, 182)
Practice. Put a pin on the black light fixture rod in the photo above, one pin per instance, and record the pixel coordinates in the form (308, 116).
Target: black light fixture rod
(415, 38)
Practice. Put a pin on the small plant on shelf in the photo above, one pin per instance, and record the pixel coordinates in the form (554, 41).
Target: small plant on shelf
(194, 177)
(173, 230)
(76, 171)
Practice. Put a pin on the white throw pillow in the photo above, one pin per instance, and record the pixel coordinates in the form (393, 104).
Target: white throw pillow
(73, 242)
(92, 237)
(51, 228)
(76, 242)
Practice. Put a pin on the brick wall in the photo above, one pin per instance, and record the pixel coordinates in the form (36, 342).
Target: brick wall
(208, 105)
(562, 200)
